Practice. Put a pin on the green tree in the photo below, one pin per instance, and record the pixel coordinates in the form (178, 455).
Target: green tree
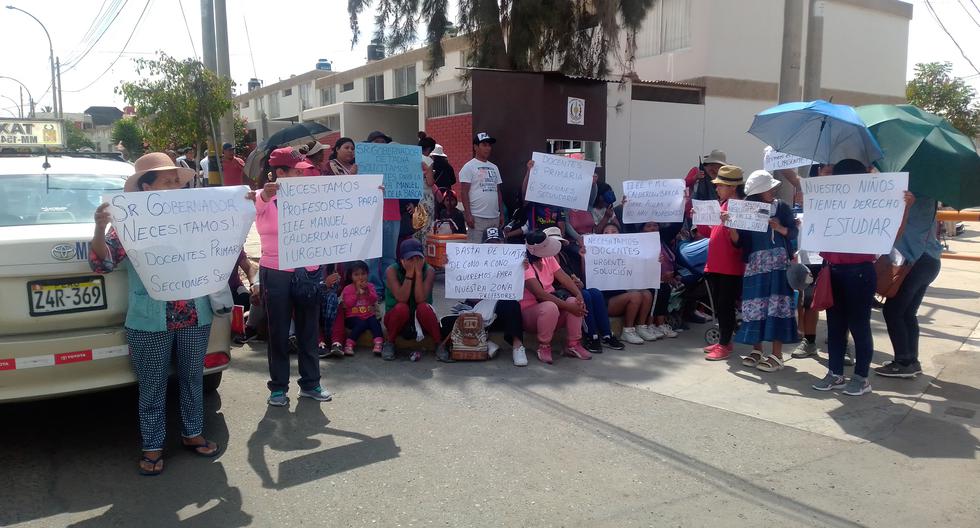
(576, 37)
(75, 138)
(176, 101)
(127, 131)
(241, 134)
(934, 89)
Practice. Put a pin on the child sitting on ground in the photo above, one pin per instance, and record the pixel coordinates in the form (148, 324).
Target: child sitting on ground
(359, 299)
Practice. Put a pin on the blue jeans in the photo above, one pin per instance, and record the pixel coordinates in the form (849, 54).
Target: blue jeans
(597, 318)
(389, 249)
(900, 311)
(854, 290)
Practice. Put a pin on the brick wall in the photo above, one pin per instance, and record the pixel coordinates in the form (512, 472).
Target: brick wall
(455, 134)
(330, 138)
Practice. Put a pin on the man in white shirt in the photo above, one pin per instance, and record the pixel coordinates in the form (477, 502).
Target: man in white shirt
(480, 190)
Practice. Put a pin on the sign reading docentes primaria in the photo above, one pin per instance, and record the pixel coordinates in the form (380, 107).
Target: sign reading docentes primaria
(853, 213)
(653, 201)
(561, 181)
(622, 262)
(401, 166)
(183, 243)
(485, 271)
(327, 219)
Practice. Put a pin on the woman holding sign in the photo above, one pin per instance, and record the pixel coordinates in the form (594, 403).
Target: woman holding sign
(725, 268)
(768, 313)
(154, 329)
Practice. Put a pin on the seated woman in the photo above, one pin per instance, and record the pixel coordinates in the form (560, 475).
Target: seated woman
(359, 297)
(633, 305)
(544, 307)
(668, 281)
(449, 219)
(408, 295)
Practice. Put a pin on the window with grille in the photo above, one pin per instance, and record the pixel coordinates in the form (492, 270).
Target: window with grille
(273, 104)
(405, 81)
(374, 87)
(328, 96)
(304, 96)
(666, 28)
(448, 104)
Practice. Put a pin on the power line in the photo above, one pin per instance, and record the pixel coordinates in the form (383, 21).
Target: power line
(113, 63)
(968, 13)
(75, 62)
(948, 34)
(188, 27)
(975, 6)
(91, 27)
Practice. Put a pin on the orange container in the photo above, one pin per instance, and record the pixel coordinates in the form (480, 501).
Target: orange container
(435, 248)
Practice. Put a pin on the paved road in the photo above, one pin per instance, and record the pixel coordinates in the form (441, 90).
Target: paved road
(652, 436)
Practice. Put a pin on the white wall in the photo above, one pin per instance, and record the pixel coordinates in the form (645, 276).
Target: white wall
(681, 64)
(864, 50)
(726, 128)
(745, 39)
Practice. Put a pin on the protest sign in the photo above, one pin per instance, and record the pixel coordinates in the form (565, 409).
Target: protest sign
(326, 219)
(561, 181)
(485, 271)
(706, 212)
(853, 213)
(772, 160)
(401, 166)
(653, 201)
(748, 216)
(623, 262)
(184, 243)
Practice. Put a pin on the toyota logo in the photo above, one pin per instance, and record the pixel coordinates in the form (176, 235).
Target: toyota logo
(63, 252)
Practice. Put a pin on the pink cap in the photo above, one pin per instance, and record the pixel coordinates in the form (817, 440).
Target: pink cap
(288, 157)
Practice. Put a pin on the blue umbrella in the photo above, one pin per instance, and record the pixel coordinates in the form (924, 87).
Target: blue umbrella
(817, 130)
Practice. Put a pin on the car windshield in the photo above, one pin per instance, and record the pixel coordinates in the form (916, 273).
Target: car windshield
(31, 199)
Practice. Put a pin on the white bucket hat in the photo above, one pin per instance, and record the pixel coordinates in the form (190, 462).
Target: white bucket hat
(437, 151)
(759, 182)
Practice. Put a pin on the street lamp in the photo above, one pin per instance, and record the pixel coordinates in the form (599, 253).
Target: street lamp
(19, 109)
(54, 87)
(30, 98)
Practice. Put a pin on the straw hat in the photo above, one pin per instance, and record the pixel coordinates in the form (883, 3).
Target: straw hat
(156, 161)
(759, 182)
(729, 175)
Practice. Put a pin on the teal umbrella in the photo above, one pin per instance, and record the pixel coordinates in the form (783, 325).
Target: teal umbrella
(942, 162)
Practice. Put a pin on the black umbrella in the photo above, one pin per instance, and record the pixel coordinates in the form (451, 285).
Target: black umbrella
(295, 135)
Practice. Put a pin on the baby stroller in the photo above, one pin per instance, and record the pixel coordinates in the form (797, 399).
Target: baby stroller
(695, 293)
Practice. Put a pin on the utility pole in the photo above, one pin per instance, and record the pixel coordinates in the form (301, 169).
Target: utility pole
(224, 70)
(207, 35)
(61, 103)
(814, 51)
(789, 68)
(20, 109)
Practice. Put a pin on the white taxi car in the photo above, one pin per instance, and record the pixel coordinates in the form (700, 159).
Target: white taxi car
(61, 326)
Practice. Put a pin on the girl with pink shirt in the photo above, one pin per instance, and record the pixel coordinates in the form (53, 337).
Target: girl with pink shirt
(359, 299)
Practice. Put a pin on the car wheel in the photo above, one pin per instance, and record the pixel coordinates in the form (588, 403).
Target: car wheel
(211, 382)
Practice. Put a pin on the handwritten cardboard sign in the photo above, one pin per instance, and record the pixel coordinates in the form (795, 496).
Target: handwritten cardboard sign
(748, 216)
(326, 219)
(485, 271)
(773, 160)
(653, 201)
(706, 212)
(561, 181)
(853, 213)
(401, 166)
(184, 243)
(622, 262)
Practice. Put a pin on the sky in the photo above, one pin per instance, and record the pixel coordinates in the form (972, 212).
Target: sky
(287, 37)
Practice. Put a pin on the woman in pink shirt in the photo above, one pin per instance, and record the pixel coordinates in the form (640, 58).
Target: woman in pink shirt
(282, 292)
(360, 299)
(544, 307)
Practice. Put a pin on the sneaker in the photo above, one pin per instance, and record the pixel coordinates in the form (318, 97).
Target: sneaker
(251, 334)
(492, 349)
(804, 350)
(648, 333)
(576, 350)
(278, 399)
(378, 343)
(388, 352)
(719, 353)
(316, 393)
(830, 382)
(442, 354)
(415, 356)
(592, 344)
(849, 356)
(857, 386)
(612, 342)
(349, 348)
(893, 369)
(666, 330)
(520, 356)
(630, 336)
(544, 354)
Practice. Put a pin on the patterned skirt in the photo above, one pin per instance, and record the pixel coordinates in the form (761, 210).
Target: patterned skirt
(768, 312)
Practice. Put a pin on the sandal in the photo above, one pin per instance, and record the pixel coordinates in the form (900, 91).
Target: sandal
(196, 448)
(752, 359)
(153, 463)
(770, 364)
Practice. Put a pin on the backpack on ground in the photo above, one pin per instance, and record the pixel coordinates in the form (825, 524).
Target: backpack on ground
(469, 338)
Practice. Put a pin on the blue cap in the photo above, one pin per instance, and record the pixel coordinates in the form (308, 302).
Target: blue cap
(227, 146)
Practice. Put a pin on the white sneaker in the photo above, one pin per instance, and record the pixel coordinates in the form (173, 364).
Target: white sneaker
(630, 336)
(520, 356)
(648, 333)
(492, 349)
(666, 330)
